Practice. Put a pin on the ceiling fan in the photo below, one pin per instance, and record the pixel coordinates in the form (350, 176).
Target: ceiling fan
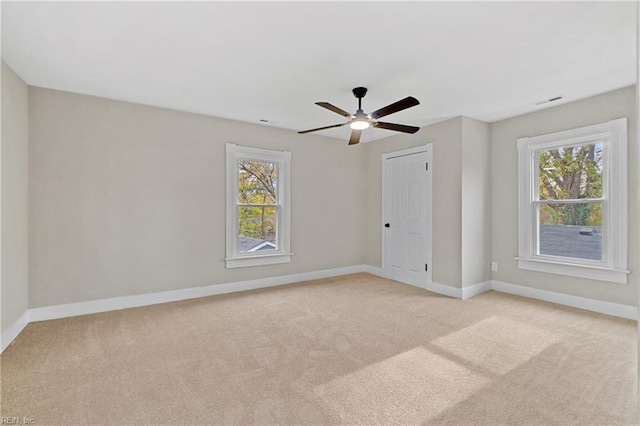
(360, 120)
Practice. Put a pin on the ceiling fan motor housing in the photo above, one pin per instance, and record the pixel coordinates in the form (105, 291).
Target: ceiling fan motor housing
(359, 92)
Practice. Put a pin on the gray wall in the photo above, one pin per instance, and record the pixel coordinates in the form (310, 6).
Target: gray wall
(447, 208)
(128, 199)
(476, 202)
(14, 230)
(504, 192)
(461, 201)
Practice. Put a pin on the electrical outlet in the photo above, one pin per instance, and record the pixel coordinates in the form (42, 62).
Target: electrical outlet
(494, 266)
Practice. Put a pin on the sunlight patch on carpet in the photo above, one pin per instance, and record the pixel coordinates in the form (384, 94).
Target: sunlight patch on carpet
(408, 388)
(497, 344)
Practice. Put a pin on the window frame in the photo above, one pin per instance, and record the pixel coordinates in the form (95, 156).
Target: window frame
(613, 267)
(234, 258)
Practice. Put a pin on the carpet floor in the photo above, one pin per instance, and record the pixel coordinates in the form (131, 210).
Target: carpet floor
(355, 349)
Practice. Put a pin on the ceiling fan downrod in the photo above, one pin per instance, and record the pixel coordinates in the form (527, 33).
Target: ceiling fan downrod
(360, 92)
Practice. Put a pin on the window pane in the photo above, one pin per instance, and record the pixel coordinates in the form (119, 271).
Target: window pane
(571, 230)
(257, 182)
(572, 172)
(257, 228)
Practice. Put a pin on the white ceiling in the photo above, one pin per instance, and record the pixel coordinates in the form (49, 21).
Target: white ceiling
(252, 61)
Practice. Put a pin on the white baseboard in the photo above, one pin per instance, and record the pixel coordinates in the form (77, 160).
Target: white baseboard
(12, 332)
(609, 308)
(213, 290)
(125, 302)
(443, 289)
(374, 270)
(476, 289)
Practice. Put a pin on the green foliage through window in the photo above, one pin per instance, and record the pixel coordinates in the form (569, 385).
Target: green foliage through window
(571, 173)
(258, 200)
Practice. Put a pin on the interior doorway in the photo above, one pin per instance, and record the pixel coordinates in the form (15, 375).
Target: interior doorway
(407, 203)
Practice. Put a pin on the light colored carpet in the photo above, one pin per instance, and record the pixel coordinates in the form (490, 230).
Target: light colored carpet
(356, 349)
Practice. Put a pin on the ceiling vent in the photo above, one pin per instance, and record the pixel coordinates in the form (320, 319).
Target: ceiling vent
(546, 101)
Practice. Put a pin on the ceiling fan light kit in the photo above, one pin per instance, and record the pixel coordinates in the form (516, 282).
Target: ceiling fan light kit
(361, 121)
(359, 124)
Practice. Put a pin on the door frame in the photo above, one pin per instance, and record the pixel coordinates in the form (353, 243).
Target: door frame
(428, 148)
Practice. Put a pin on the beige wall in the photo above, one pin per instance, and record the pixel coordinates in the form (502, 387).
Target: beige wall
(446, 138)
(14, 230)
(461, 201)
(476, 202)
(504, 190)
(128, 199)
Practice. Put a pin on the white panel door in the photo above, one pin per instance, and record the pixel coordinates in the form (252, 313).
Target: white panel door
(407, 217)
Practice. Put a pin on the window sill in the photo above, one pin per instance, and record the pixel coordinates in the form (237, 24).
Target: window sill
(598, 273)
(259, 260)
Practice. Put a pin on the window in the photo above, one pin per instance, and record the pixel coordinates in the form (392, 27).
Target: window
(258, 213)
(572, 202)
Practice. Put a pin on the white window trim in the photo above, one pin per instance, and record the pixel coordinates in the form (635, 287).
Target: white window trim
(234, 258)
(614, 268)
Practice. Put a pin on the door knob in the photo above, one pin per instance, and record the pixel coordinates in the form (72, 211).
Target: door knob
(386, 225)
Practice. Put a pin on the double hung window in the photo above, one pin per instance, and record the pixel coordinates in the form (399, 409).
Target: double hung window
(573, 202)
(258, 206)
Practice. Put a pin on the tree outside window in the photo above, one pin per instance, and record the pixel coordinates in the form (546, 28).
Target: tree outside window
(570, 201)
(257, 204)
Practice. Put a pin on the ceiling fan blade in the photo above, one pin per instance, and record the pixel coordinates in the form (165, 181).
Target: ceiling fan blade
(355, 137)
(397, 127)
(405, 103)
(333, 108)
(321, 128)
